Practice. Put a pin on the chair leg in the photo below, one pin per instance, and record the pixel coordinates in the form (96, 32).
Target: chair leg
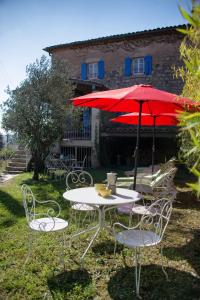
(30, 242)
(85, 217)
(130, 219)
(62, 260)
(165, 273)
(89, 245)
(115, 247)
(137, 272)
(94, 216)
(113, 216)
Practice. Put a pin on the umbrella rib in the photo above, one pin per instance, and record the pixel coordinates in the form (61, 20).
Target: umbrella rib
(115, 104)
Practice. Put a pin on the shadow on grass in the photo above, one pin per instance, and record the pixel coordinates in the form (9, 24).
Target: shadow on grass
(153, 284)
(45, 186)
(67, 281)
(106, 247)
(11, 204)
(189, 252)
(176, 215)
(187, 200)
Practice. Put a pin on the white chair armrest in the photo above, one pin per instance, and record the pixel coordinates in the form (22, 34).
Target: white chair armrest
(117, 224)
(51, 212)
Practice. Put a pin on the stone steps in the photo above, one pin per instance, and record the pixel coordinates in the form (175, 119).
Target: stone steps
(14, 172)
(17, 164)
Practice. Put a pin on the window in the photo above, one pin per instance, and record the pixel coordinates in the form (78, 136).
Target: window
(92, 70)
(138, 65)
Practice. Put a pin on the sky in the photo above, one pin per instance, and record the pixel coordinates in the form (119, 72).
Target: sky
(28, 26)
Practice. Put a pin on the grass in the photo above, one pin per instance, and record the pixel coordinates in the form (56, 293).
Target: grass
(104, 276)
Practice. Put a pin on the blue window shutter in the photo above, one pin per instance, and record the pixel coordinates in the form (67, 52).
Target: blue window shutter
(101, 71)
(83, 71)
(127, 66)
(148, 65)
(86, 118)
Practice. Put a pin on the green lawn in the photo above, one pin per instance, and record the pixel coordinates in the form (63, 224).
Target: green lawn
(104, 276)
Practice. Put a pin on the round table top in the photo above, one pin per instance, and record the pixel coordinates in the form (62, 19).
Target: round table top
(89, 195)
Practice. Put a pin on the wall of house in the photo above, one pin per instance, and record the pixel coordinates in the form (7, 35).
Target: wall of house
(164, 49)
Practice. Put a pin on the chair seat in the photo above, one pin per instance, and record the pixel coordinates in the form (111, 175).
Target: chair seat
(137, 238)
(125, 208)
(48, 224)
(82, 207)
(136, 209)
(141, 210)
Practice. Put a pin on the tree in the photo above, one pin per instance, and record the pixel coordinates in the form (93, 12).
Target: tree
(37, 109)
(190, 73)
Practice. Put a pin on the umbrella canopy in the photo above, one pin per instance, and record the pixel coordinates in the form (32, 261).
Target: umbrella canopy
(148, 120)
(163, 119)
(137, 98)
(154, 101)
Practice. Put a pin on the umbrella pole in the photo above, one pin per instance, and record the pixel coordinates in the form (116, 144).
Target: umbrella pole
(137, 144)
(153, 143)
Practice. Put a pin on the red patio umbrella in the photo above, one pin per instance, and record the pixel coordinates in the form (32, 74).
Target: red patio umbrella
(137, 98)
(148, 120)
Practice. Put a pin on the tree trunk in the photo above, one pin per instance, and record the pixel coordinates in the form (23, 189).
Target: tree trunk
(37, 163)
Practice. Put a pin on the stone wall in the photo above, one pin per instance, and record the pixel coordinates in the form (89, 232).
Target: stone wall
(164, 49)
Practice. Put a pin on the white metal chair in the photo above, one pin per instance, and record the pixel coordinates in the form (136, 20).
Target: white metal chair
(40, 220)
(146, 177)
(161, 187)
(56, 167)
(78, 179)
(148, 232)
(147, 171)
(79, 165)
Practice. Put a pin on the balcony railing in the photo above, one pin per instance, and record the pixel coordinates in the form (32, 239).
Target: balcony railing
(131, 130)
(83, 133)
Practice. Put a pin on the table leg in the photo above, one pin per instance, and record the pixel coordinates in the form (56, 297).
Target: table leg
(101, 224)
(84, 231)
(90, 243)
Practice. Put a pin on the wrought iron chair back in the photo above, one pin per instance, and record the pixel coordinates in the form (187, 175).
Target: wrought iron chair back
(78, 179)
(156, 217)
(45, 218)
(79, 165)
(164, 179)
(168, 165)
(28, 202)
(86, 213)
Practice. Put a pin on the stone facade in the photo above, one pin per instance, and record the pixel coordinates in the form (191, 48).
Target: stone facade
(161, 44)
(163, 47)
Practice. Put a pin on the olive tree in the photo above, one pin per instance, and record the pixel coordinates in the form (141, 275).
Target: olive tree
(36, 110)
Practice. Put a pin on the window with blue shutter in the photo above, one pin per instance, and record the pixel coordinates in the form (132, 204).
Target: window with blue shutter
(101, 71)
(138, 66)
(148, 65)
(127, 66)
(86, 118)
(83, 71)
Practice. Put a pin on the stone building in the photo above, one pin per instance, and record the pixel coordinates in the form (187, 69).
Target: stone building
(146, 57)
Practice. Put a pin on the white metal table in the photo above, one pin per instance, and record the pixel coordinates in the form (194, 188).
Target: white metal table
(90, 197)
